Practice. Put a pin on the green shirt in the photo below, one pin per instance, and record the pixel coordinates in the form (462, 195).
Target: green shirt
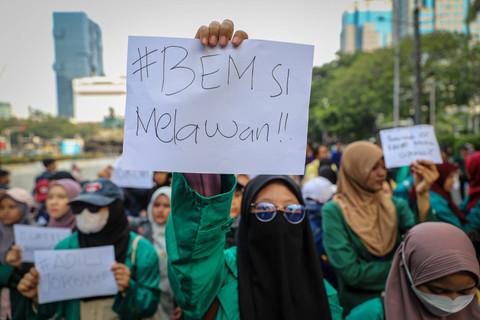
(199, 267)
(9, 278)
(139, 301)
(361, 275)
(445, 214)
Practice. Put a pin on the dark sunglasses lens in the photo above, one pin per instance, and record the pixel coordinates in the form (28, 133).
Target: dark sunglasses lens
(265, 211)
(92, 208)
(77, 209)
(295, 213)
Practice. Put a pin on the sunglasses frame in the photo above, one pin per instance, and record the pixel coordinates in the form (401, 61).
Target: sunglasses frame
(274, 214)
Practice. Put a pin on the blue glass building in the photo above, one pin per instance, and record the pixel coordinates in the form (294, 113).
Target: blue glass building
(78, 53)
(367, 25)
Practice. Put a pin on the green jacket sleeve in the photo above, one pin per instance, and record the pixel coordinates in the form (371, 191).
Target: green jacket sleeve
(370, 310)
(6, 272)
(351, 260)
(195, 237)
(143, 294)
(335, 309)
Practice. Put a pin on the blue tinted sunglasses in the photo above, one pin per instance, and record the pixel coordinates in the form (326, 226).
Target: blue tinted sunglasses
(265, 212)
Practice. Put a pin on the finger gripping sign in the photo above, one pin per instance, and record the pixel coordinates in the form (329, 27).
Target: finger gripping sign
(75, 273)
(216, 110)
(30, 239)
(402, 146)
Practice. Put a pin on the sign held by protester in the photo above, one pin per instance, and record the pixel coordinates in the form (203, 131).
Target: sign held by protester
(75, 273)
(402, 146)
(216, 110)
(30, 239)
(131, 178)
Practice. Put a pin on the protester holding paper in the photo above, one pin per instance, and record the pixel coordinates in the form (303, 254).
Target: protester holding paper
(59, 194)
(274, 273)
(363, 227)
(15, 205)
(101, 221)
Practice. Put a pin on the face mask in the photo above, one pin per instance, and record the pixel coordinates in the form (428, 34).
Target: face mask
(442, 306)
(438, 305)
(88, 222)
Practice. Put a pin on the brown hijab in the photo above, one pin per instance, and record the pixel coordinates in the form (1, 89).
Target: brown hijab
(432, 250)
(371, 215)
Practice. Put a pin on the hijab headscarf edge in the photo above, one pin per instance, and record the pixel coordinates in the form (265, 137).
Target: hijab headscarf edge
(371, 215)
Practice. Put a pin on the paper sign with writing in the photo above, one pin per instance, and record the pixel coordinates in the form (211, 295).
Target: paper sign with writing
(75, 273)
(402, 146)
(30, 239)
(216, 110)
(131, 178)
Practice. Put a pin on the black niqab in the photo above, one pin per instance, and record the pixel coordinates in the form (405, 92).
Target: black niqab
(114, 233)
(279, 271)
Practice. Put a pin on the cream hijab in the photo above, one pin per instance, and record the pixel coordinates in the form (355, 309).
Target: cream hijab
(371, 215)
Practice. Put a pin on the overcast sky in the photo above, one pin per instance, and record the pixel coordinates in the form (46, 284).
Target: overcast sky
(27, 49)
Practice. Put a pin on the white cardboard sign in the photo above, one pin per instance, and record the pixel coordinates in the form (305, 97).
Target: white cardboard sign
(75, 273)
(30, 239)
(402, 146)
(216, 110)
(131, 178)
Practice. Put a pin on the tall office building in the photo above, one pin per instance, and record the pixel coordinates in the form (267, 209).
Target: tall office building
(369, 19)
(366, 25)
(78, 53)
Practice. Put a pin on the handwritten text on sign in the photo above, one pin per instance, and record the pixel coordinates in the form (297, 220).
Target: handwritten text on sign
(216, 110)
(30, 239)
(76, 273)
(402, 146)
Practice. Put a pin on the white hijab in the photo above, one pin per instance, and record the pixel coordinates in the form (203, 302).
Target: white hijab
(158, 236)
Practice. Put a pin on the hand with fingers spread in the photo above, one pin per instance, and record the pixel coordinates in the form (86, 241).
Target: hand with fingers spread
(122, 276)
(14, 257)
(28, 285)
(425, 174)
(220, 33)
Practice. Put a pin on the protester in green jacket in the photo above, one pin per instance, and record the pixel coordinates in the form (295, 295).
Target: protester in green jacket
(434, 276)
(363, 226)
(273, 273)
(15, 206)
(101, 220)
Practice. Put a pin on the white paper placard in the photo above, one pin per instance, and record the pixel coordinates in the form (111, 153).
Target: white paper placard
(402, 146)
(30, 239)
(216, 110)
(131, 178)
(75, 273)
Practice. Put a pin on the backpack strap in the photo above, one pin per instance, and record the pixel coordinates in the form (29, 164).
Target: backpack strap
(134, 249)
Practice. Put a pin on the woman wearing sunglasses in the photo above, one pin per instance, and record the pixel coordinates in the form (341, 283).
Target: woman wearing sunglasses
(363, 226)
(101, 221)
(273, 273)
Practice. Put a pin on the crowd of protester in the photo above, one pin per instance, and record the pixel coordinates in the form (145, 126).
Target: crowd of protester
(349, 239)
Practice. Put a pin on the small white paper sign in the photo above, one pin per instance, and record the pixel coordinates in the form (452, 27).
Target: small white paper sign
(216, 110)
(30, 239)
(75, 273)
(131, 178)
(402, 146)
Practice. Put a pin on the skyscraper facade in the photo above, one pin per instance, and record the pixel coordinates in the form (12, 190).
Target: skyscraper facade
(367, 26)
(78, 53)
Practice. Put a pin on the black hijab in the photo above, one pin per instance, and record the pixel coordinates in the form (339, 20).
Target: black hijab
(279, 271)
(114, 233)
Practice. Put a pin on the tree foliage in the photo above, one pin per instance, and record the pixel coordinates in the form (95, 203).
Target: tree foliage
(353, 96)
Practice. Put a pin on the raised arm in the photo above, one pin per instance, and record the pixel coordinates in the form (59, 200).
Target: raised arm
(195, 237)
